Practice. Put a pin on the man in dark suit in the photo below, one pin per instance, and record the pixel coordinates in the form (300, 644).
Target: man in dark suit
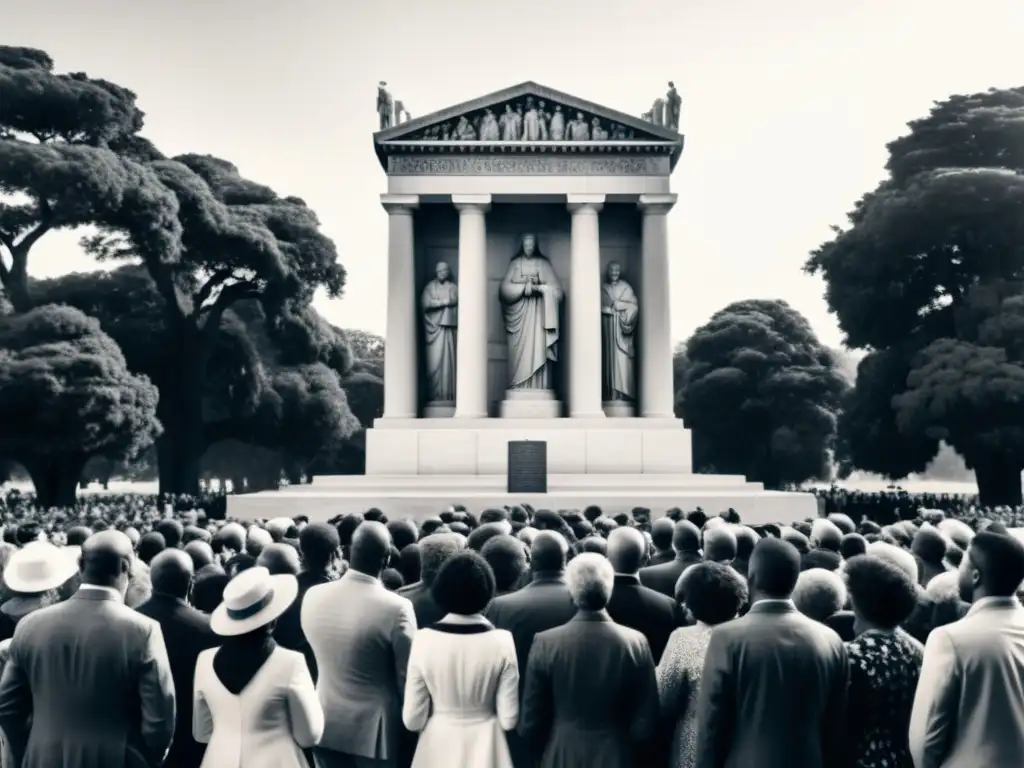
(747, 713)
(686, 544)
(542, 604)
(88, 682)
(661, 537)
(634, 605)
(435, 549)
(187, 633)
(591, 697)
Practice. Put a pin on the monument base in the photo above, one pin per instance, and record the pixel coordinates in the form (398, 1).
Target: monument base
(419, 497)
(439, 410)
(530, 404)
(618, 409)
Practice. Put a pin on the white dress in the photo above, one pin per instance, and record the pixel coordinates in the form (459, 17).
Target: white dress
(268, 724)
(462, 694)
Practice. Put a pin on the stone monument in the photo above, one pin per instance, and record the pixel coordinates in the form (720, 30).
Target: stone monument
(528, 299)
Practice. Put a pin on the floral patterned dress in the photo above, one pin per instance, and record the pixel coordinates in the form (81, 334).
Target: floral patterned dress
(884, 668)
(679, 675)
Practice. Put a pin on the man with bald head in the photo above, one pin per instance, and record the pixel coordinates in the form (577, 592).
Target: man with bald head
(686, 545)
(187, 633)
(632, 604)
(88, 682)
(360, 634)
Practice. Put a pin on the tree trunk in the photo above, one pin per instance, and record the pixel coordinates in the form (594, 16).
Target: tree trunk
(55, 479)
(182, 445)
(998, 483)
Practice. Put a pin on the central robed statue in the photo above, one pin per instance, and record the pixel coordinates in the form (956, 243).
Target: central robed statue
(530, 293)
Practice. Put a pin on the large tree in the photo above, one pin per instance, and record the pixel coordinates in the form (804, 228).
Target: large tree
(924, 266)
(66, 395)
(761, 394)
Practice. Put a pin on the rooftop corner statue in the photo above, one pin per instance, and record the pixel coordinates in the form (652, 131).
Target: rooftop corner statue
(530, 293)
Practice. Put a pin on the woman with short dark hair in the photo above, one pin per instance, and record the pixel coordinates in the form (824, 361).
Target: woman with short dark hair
(712, 593)
(462, 685)
(885, 663)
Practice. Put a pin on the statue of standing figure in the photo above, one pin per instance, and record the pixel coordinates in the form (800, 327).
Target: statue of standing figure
(530, 294)
(620, 311)
(673, 106)
(439, 302)
(385, 106)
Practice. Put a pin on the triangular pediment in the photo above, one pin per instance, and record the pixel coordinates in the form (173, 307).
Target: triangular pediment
(476, 120)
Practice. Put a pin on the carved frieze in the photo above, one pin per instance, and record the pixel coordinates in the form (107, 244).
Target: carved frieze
(527, 165)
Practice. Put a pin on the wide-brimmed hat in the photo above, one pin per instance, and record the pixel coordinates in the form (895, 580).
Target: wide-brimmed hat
(39, 566)
(253, 599)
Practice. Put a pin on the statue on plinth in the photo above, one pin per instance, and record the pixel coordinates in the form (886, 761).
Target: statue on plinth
(489, 128)
(619, 313)
(673, 106)
(530, 294)
(385, 106)
(439, 302)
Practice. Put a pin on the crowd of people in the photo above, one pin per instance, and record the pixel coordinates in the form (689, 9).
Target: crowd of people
(144, 632)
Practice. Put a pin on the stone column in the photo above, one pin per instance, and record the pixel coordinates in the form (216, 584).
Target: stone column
(657, 393)
(471, 347)
(401, 377)
(585, 308)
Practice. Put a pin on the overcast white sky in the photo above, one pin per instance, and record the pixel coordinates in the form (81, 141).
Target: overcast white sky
(787, 105)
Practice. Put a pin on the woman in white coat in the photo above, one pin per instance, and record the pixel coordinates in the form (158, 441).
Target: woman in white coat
(462, 686)
(255, 704)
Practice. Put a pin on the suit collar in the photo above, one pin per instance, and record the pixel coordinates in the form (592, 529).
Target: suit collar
(456, 624)
(547, 577)
(163, 597)
(627, 578)
(993, 604)
(582, 615)
(94, 592)
(773, 606)
(685, 555)
(359, 576)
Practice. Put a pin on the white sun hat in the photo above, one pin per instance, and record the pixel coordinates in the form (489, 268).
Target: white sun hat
(39, 566)
(253, 599)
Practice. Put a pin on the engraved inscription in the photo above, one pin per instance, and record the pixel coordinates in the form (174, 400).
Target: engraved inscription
(527, 466)
(496, 165)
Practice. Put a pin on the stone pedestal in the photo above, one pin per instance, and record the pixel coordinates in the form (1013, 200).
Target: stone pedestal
(439, 410)
(618, 409)
(530, 404)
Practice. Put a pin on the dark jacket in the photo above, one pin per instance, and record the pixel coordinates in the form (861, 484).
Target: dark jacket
(591, 697)
(651, 613)
(187, 633)
(662, 578)
(288, 632)
(747, 712)
(427, 610)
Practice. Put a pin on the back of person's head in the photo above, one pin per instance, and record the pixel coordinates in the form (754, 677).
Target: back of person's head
(507, 557)
(493, 516)
(592, 512)
(347, 527)
(944, 586)
(825, 534)
(483, 534)
(435, 549)
(371, 548)
(465, 584)
(627, 549)
(719, 544)
(229, 536)
(548, 552)
(79, 533)
(171, 573)
(897, 556)
(28, 532)
(746, 540)
(392, 579)
(150, 545)
(200, 552)
(662, 530)
(994, 567)
(774, 568)
(958, 531)
(280, 559)
(881, 592)
(107, 559)
(403, 533)
(712, 592)
(929, 545)
(409, 563)
(256, 539)
(796, 539)
(595, 544)
(208, 591)
(171, 530)
(843, 522)
(319, 544)
(851, 545)
(194, 533)
(685, 537)
(819, 593)
(243, 561)
(590, 578)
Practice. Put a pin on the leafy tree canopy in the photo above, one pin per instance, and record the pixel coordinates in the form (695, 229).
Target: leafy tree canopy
(66, 395)
(761, 394)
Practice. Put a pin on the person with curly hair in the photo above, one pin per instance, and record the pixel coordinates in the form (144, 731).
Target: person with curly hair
(712, 593)
(462, 685)
(885, 663)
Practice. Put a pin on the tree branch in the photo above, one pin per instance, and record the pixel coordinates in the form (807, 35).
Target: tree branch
(229, 295)
(217, 279)
(19, 251)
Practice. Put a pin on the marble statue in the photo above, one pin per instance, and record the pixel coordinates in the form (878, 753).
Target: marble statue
(531, 122)
(597, 131)
(464, 130)
(385, 106)
(489, 128)
(530, 294)
(673, 105)
(439, 302)
(658, 112)
(578, 129)
(556, 128)
(510, 124)
(619, 313)
(545, 119)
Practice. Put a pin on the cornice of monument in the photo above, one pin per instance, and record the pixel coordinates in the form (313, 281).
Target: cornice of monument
(616, 132)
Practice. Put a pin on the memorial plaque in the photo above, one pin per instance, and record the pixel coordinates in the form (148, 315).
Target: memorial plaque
(527, 466)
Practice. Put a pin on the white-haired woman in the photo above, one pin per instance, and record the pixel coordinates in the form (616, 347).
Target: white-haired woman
(591, 696)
